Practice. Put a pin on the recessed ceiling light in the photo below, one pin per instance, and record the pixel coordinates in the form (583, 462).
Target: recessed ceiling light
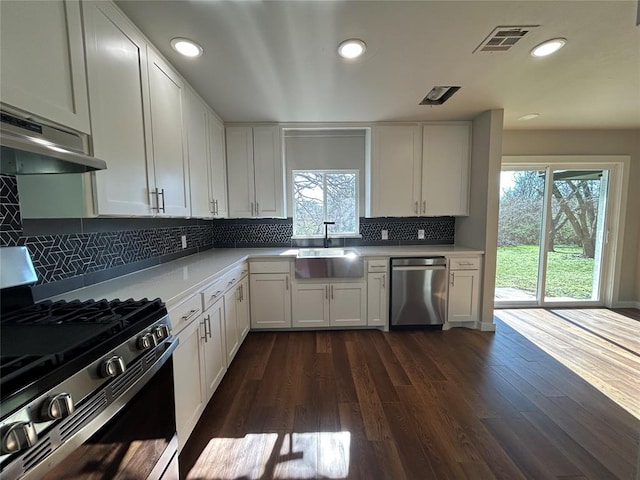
(186, 47)
(529, 116)
(548, 47)
(351, 48)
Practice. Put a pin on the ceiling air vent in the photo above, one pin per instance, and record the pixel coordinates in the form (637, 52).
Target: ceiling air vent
(502, 38)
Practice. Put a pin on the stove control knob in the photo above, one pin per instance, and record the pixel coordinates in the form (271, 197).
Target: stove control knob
(112, 367)
(57, 407)
(161, 332)
(18, 436)
(146, 341)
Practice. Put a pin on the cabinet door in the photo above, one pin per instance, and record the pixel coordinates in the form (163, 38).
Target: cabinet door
(268, 172)
(213, 348)
(270, 300)
(395, 175)
(445, 169)
(377, 293)
(240, 171)
(120, 118)
(199, 157)
(348, 304)
(187, 366)
(169, 146)
(218, 165)
(231, 335)
(463, 296)
(43, 69)
(310, 305)
(243, 308)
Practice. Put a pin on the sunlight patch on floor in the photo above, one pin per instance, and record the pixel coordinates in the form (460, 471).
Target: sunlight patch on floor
(273, 455)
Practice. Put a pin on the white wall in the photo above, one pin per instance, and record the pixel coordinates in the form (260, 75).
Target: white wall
(595, 142)
(480, 229)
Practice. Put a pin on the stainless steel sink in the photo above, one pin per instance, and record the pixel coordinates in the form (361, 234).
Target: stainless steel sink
(329, 263)
(327, 252)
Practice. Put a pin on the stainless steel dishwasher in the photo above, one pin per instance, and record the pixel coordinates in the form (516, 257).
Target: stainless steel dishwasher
(418, 292)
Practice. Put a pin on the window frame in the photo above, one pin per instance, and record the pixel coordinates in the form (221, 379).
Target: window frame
(356, 173)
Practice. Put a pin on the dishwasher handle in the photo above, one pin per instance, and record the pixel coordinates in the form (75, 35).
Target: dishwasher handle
(419, 268)
(418, 261)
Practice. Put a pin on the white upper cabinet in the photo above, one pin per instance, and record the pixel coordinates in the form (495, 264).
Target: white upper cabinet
(445, 169)
(43, 68)
(198, 146)
(119, 96)
(218, 166)
(396, 159)
(169, 144)
(254, 169)
(207, 169)
(420, 171)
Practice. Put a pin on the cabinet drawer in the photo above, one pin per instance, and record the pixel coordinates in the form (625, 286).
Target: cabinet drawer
(213, 293)
(183, 314)
(232, 277)
(270, 267)
(464, 263)
(378, 265)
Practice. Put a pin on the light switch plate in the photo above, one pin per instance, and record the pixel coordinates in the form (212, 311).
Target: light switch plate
(421, 234)
(385, 234)
(184, 241)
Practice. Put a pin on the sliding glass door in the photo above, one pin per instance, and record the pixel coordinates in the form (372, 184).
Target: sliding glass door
(551, 235)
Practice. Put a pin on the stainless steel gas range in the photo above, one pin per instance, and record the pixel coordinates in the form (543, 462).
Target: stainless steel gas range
(86, 388)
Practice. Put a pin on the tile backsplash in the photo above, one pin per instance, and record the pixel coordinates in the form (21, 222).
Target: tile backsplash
(72, 253)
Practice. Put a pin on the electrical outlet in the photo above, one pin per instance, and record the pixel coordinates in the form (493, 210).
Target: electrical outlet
(421, 234)
(184, 241)
(385, 234)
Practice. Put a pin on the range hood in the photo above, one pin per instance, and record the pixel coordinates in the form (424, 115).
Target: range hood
(31, 148)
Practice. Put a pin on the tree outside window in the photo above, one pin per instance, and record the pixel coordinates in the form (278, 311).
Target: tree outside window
(325, 196)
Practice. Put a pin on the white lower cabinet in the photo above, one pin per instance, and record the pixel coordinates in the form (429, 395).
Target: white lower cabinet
(270, 294)
(215, 359)
(236, 317)
(329, 304)
(377, 299)
(464, 289)
(188, 365)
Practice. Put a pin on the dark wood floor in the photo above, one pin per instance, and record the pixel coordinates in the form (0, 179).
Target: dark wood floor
(460, 404)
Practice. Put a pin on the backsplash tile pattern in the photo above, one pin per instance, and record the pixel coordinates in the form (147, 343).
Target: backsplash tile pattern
(10, 222)
(67, 249)
(437, 230)
(273, 232)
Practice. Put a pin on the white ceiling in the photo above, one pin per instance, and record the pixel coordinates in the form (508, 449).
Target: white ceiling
(277, 61)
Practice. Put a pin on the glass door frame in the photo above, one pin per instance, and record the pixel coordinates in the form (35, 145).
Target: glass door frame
(613, 222)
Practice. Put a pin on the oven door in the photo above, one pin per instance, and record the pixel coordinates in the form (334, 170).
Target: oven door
(135, 439)
(140, 442)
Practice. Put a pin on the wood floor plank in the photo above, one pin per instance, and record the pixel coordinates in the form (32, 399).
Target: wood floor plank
(449, 405)
(598, 361)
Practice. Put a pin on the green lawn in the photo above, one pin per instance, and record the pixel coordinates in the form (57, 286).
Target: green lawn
(569, 274)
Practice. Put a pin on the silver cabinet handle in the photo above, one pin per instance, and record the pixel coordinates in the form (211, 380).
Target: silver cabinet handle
(157, 195)
(217, 211)
(241, 293)
(158, 208)
(209, 322)
(424, 206)
(453, 278)
(212, 207)
(204, 325)
(257, 209)
(326, 292)
(191, 313)
(383, 281)
(416, 209)
(252, 209)
(286, 280)
(331, 292)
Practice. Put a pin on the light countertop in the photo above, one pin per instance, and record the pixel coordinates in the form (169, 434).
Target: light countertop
(177, 280)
